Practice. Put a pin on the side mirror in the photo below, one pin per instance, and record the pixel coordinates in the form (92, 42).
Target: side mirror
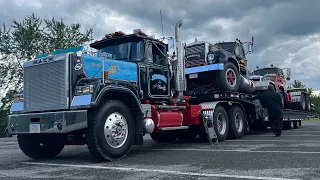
(172, 47)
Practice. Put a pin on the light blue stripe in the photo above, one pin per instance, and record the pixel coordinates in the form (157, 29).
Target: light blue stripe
(81, 100)
(16, 106)
(210, 67)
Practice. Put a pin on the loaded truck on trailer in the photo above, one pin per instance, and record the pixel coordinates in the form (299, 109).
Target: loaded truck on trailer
(135, 85)
(292, 98)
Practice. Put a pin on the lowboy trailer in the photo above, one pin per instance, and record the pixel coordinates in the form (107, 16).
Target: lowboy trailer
(134, 85)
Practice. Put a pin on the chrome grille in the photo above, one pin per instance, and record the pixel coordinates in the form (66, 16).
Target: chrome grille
(195, 55)
(46, 85)
(195, 63)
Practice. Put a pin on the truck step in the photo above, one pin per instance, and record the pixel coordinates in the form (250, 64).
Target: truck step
(169, 107)
(173, 128)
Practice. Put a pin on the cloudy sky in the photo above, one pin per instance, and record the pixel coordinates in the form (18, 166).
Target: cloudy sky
(286, 32)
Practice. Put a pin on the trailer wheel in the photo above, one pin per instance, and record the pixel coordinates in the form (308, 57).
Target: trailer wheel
(295, 124)
(111, 131)
(167, 136)
(308, 102)
(221, 123)
(287, 125)
(237, 122)
(302, 102)
(40, 146)
(228, 78)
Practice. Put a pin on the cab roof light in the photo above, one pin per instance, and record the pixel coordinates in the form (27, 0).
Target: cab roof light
(138, 31)
(117, 33)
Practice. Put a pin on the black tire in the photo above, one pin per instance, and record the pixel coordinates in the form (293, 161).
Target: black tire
(308, 102)
(99, 144)
(221, 112)
(287, 125)
(167, 136)
(222, 78)
(40, 146)
(282, 98)
(7, 133)
(189, 134)
(302, 102)
(237, 122)
(295, 124)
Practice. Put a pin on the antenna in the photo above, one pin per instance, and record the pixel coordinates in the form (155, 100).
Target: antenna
(91, 42)
(161, 24)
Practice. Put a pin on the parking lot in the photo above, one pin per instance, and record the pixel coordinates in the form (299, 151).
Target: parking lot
(294, 155)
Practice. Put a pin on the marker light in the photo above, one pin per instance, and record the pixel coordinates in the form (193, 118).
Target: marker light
(105, 74)
(117, 33)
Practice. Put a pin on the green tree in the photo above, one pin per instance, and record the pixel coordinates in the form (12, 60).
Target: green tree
(296, 84)
(299, 84)
(27, 38)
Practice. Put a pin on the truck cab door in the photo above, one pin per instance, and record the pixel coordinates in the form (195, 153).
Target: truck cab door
(157, 72)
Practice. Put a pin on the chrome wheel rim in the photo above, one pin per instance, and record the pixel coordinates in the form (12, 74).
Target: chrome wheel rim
(221, 123)
(116, 130)
(238, 122)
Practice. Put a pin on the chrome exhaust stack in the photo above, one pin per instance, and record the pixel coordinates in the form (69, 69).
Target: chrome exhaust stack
(178, 63)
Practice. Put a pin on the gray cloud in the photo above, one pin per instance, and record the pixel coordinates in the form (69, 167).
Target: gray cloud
(282, 29)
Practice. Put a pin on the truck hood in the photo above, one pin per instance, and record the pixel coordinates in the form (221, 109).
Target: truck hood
(256, 77)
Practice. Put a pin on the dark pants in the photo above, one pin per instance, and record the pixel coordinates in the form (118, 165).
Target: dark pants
(276, 122)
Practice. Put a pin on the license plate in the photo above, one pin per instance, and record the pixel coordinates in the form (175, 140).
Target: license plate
(193, 76)
(34, 128)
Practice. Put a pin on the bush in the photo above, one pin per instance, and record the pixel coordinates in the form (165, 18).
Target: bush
(3, 121)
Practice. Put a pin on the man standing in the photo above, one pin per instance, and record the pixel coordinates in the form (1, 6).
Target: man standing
(273, 102)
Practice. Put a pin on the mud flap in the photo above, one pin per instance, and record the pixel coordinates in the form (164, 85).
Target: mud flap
(207, 122)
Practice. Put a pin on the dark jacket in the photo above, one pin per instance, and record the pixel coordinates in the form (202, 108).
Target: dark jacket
(272, 101)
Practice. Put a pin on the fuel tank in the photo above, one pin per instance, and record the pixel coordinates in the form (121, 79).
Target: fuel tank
(246, 85)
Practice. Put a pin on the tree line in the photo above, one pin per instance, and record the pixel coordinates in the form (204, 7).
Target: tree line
(33, 36)
(24, 40)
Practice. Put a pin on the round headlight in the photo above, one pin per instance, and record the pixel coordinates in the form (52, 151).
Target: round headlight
(211, 57)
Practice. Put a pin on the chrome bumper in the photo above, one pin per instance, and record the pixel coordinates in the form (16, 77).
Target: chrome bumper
(49, 122)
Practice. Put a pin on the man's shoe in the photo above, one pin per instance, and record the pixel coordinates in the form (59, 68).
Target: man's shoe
(278, 134)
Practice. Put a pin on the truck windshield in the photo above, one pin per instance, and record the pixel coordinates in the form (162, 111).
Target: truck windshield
(132, 51)
(266, 71)
(228, 46)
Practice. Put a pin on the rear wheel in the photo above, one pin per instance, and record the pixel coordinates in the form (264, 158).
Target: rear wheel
(228, 78)
(111, 131)
(237, 122)
(40, 146)
(295, 124)
(221, 123)
(308, 103)
(302, 102)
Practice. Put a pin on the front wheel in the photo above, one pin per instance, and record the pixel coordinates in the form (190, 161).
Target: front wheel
(41, 146)
(228, 79)
(111, 131)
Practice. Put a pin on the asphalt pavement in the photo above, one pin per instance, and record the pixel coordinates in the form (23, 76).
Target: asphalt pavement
(294, 155)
